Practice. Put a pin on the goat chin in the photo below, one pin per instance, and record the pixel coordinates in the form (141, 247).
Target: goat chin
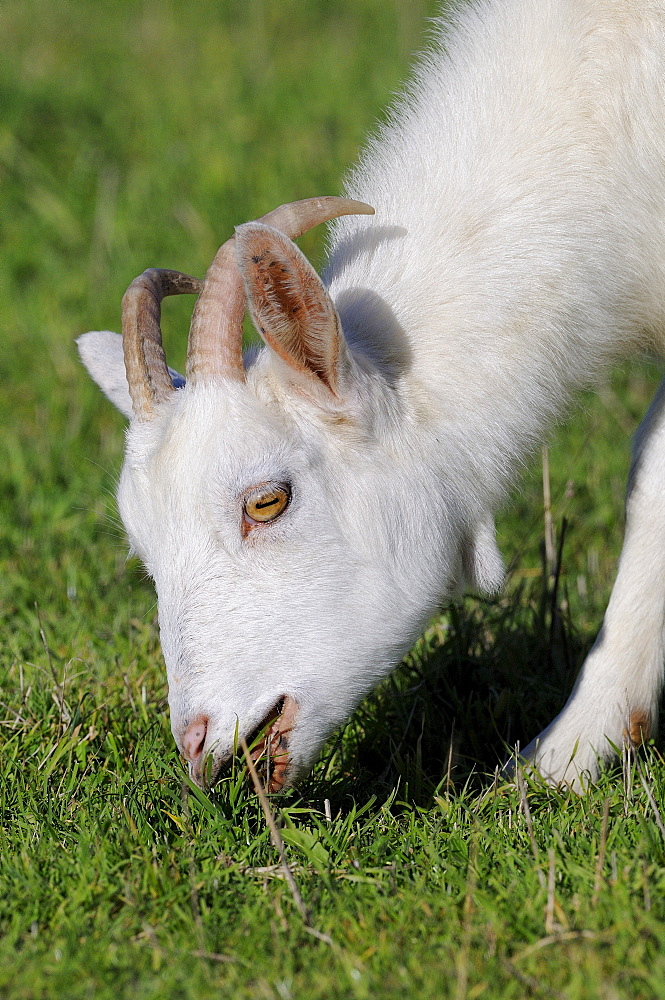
(303, 517)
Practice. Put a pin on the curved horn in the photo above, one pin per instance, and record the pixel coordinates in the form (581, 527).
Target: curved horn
(145, 361)
(215, 338)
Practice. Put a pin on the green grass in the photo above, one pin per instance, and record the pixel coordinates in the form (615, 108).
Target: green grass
(136, 134)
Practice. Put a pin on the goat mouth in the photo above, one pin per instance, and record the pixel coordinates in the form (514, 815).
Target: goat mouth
(269, 743)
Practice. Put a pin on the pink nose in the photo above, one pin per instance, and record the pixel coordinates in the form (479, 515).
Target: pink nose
(194, 738)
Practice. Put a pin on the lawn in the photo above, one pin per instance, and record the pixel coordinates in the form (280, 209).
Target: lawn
(135, 134)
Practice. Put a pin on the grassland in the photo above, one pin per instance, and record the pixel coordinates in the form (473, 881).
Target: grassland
(136, 134)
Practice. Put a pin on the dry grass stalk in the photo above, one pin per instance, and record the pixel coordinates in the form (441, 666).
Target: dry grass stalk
(449, 768)
(551, 939)
(279, 846)
(550, 923)
(534, 985)
(598, 880)
(652, 802)
(550, 548)
(529, 823)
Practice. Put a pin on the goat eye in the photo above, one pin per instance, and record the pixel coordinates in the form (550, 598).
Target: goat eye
(266, 503)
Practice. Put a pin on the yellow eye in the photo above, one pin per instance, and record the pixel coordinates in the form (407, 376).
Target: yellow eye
(265, 503)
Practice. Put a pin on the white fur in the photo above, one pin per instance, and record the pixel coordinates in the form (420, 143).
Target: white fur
(518, 249)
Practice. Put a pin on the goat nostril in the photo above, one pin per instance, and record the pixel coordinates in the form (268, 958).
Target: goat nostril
(194, 738)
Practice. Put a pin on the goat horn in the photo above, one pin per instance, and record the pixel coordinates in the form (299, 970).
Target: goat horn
(215, 338)
(145, 361)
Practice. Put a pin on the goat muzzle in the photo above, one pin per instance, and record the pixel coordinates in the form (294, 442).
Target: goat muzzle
(271, 753)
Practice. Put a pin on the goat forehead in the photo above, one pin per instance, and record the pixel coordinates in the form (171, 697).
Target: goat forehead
(210, 433)
(225, 420)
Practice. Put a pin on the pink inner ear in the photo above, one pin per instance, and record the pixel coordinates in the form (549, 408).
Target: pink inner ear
(288, 304)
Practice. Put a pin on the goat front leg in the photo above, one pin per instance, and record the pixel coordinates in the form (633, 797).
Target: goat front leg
(615, 699)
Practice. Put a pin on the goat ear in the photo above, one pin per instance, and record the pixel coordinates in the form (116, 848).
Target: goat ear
(291, 309)
(101, 353)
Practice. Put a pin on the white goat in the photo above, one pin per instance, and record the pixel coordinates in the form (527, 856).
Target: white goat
(304, 516)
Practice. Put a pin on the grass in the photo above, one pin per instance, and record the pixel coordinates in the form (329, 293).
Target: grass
(136, 133)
